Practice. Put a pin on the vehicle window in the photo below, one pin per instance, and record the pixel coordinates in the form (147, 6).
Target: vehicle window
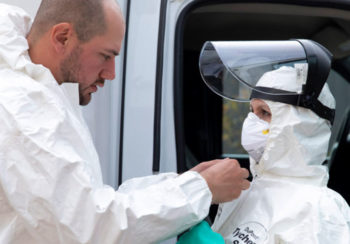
(210, 126)
(233, 115)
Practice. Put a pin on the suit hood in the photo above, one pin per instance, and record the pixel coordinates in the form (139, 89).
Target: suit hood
(298, 139)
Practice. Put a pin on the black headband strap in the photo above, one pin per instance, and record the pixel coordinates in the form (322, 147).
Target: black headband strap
(294, 99)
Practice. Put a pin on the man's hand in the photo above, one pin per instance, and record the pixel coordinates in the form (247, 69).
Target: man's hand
(225, 178)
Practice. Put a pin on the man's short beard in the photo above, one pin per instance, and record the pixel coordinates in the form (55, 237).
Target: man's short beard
(70, 66)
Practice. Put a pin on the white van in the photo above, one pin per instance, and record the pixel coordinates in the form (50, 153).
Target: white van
(169, 119)
(159, 116)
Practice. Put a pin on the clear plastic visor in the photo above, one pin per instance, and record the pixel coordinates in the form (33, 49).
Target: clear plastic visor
(232, 69)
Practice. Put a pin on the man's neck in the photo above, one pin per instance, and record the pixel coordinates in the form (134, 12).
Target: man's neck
(41, 53)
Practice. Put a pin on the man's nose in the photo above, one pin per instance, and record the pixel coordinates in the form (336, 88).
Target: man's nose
(108, 72)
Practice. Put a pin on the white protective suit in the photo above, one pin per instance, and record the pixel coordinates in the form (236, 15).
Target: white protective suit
(51, 188)
(288, 201)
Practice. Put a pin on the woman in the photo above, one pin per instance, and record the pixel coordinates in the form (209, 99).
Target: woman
(288, 201)
(286, 135)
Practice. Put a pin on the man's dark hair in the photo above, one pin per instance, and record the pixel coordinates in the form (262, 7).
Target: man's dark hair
(86, 16)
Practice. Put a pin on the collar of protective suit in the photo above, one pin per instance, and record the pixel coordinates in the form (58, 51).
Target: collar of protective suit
(14, 53)
(15, 24)
(298, 138)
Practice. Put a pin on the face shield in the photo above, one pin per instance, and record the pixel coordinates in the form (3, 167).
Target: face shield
(232, 70)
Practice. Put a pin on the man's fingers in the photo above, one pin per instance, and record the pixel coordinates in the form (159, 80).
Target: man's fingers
(203, 166)
(245, 184)
(225, 178)
(245, 173)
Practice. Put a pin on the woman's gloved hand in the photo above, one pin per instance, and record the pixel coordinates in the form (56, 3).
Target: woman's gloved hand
(200, 234)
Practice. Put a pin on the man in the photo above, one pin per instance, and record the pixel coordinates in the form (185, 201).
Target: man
(51, 187)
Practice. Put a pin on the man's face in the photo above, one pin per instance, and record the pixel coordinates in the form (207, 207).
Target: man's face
(93, 62)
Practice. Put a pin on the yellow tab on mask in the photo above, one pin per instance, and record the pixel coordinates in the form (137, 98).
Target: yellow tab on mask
(265, 131)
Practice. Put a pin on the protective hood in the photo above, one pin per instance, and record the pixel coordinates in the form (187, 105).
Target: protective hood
(14, 53)
(298, 138)
(15, 25)
(13, 31)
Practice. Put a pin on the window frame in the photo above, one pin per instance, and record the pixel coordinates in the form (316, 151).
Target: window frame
(178, 62)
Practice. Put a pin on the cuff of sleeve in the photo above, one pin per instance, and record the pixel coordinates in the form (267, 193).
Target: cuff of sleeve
(197, 191)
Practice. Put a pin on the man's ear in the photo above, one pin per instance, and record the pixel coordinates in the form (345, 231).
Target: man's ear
(61, 35)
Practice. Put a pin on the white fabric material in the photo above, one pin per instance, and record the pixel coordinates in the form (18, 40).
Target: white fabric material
(51, 187)
(254, 136)
(286, 78)
(288, 201)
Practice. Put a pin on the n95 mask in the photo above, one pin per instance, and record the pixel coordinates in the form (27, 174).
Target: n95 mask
(254, 136)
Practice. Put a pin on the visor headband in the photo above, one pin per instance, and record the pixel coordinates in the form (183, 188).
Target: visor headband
(294, 99)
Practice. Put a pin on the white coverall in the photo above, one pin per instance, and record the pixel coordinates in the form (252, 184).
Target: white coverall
(51, 188)
(288, 201)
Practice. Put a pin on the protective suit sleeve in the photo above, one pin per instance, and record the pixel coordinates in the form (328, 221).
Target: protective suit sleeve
(139, 183)
(50, 186)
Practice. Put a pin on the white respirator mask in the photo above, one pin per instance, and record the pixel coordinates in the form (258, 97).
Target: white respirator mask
(254, 136)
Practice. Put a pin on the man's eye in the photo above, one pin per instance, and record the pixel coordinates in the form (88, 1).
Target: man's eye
(106, 57)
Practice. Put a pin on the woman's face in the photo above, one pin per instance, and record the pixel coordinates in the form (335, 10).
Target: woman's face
(260, 109)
